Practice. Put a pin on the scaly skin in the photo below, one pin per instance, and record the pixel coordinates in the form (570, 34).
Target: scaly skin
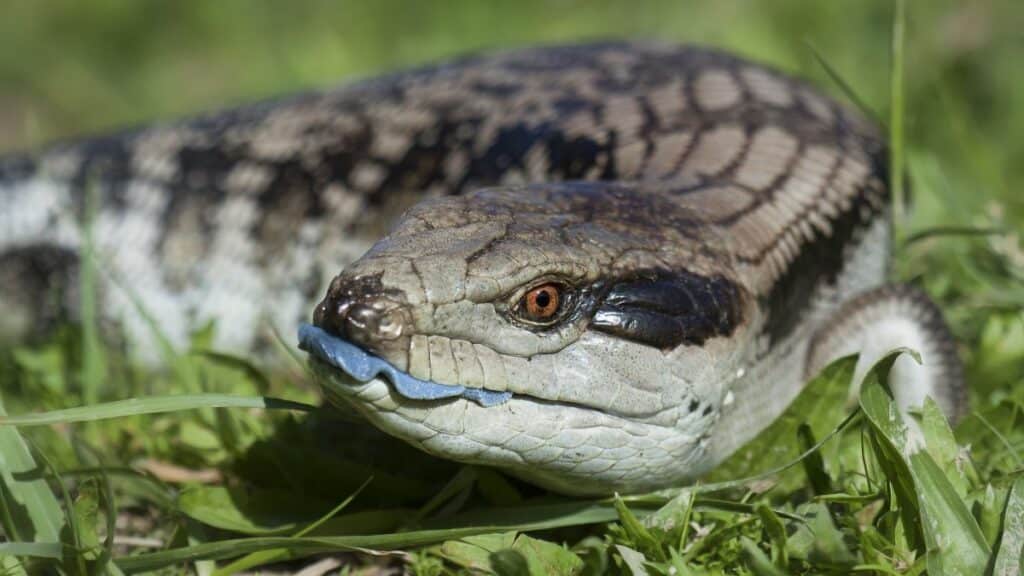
(714, 215)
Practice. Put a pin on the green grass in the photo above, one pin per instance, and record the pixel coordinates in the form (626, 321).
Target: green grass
(207, 469)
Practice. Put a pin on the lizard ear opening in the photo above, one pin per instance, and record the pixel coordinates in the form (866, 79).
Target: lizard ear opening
(665, 310)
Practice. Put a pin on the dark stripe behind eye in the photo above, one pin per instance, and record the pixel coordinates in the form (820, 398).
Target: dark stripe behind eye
(665, 310)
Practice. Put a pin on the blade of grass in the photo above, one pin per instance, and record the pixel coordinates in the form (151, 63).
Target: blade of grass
(183, 366)
(821, 404)
(74, 554)
(740, 508)
(463, 480)
(267, 556)
(740, 482)
(717, 537)
(951, 231)
(50, 550)
(154, 405)
(999, 436)
(776, 532)
(838, 373)
(639, 535)
(288, 351)
(836, 77)
(143, 485)
(532, 518)
(896, 111)
(93, 363)
(104, 562)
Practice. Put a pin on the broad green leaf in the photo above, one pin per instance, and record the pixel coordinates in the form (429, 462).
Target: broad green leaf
(1010, 557)
(942, 446)
(510, 562)
(953, 540)
(670, 523)
(509, 553)
(545, 558)
(633, 560)
(474, 552)
(890, 433)
(28, 509)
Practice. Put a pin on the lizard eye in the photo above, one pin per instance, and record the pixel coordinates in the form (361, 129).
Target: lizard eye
(542, 304)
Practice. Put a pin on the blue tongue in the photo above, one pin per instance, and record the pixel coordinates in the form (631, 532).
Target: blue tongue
(363, 366)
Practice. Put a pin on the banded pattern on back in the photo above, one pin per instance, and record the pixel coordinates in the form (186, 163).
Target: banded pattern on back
(281, 194)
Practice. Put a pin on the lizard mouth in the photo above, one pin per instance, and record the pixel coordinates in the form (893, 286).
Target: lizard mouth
(363, 367)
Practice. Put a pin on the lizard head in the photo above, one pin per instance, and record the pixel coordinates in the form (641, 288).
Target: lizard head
(581, 335)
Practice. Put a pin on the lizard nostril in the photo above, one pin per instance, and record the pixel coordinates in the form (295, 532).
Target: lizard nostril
(361, 317)
(374, 321)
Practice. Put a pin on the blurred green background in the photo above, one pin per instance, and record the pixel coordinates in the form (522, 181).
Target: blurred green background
(69, 67)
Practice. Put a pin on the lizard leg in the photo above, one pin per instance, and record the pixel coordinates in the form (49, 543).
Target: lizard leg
(890, 317)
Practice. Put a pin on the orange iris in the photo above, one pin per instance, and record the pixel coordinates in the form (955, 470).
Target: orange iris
(541, 303)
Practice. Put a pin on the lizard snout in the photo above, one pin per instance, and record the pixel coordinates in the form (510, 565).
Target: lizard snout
(353, 310)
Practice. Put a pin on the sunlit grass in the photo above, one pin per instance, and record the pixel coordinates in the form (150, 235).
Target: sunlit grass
(199, 471)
